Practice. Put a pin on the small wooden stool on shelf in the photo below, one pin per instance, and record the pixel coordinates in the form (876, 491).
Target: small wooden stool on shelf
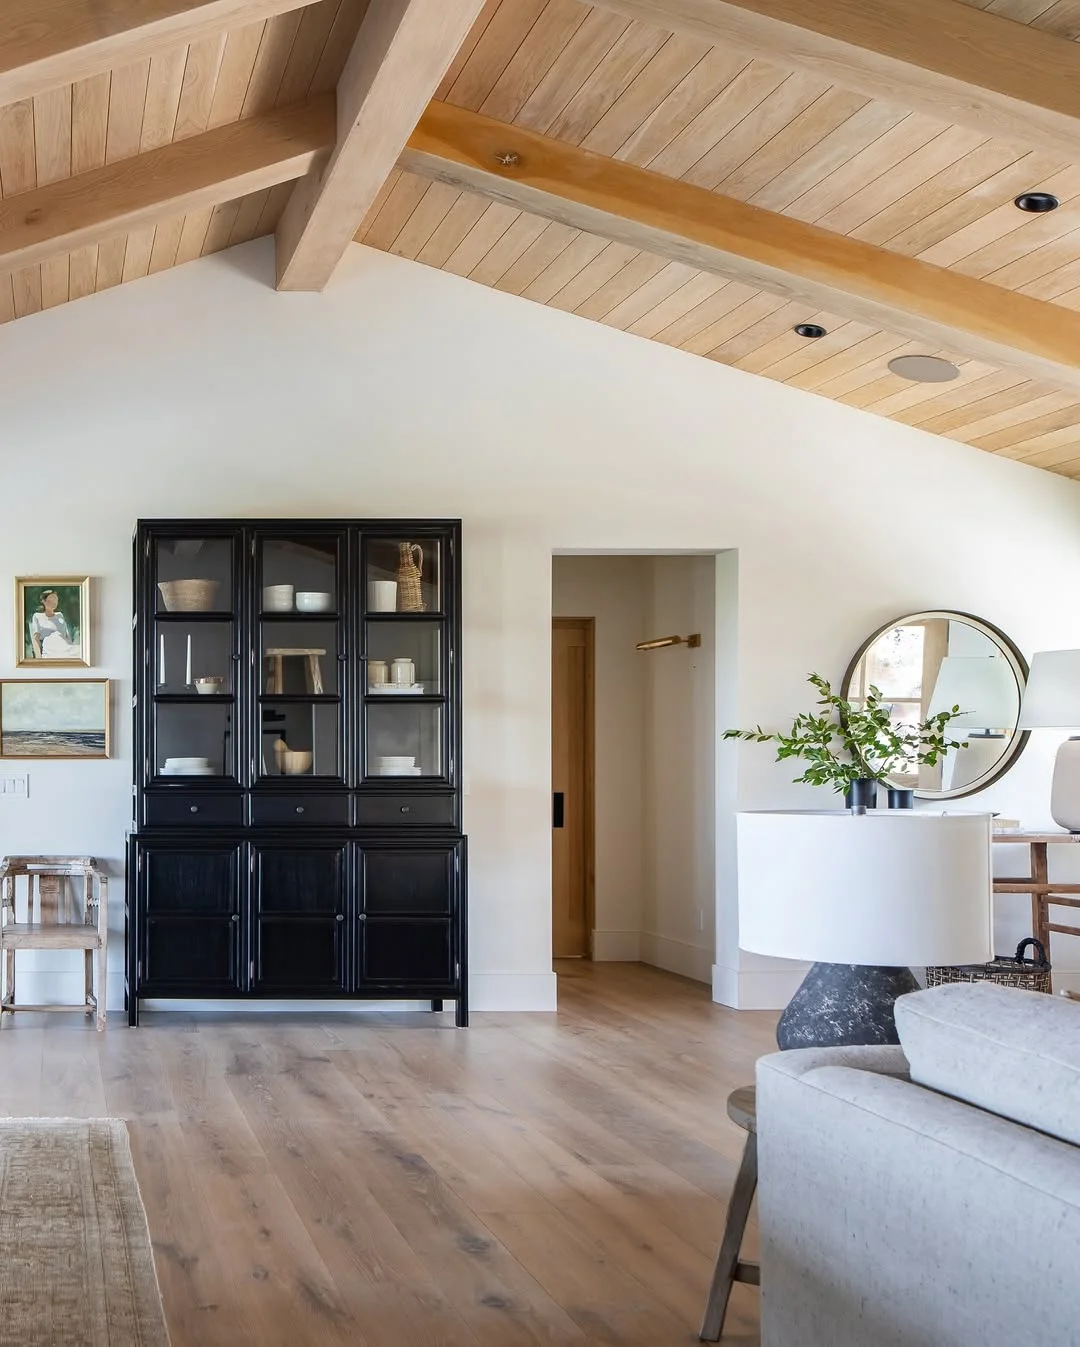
(52, 919)
(275, 676)
(730, 1268)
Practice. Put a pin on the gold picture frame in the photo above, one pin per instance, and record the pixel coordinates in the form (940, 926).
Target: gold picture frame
(52, 622)
(56, 718)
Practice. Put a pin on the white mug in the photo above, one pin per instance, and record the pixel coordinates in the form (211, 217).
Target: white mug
(382, 596)
(378, 672)
(403, 673)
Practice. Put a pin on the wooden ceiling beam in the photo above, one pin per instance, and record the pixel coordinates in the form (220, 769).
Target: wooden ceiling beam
(203, 170)
(47, 43)
(773, 252)
(938, 57)
(401, 53)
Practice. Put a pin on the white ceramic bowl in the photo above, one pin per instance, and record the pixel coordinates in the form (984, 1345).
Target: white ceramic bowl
(206, 687)
(310, 601)
(278, 598)
(296, 761)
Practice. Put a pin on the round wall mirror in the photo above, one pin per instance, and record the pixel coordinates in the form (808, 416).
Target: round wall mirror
(930, 662)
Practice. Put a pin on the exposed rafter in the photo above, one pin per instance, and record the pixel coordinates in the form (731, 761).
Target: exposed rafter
(47, 43)
(401, 53)
(940, 57)
(204, 170)
(774, 252)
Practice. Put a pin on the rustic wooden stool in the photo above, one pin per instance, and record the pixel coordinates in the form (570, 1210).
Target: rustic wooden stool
(275, 678)
(730, 1268)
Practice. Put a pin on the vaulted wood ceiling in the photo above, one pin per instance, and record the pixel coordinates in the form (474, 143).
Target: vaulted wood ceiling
(786, 193)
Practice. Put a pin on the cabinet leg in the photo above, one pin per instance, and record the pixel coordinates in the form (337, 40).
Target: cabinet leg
(461, 1018)
(436, 1005)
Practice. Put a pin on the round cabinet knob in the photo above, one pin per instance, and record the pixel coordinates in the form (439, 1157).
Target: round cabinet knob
(406, 808)
(299, 808)
(340, 916)
(361, 916)
(194, 809)
(236, 916)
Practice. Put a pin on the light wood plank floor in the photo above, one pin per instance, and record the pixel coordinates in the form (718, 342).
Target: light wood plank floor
(390, 1181)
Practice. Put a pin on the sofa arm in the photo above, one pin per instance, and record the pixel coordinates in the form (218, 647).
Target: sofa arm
(880, 1061)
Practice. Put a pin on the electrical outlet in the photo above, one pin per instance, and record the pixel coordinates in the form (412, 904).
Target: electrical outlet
(15, 787)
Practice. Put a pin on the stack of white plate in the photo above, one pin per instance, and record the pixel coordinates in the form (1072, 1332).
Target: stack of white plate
(396, 766)
(188, 767)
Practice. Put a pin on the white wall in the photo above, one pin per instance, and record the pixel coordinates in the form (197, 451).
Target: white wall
(402, 391)
(679, 919)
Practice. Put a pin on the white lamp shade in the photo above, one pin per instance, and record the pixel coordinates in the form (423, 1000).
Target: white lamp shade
(1052, 696)
(897, 888)
(983, 686)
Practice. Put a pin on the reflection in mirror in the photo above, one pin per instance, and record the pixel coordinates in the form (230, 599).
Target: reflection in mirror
(931, 662)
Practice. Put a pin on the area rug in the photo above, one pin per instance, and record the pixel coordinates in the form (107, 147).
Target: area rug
(76, 1267)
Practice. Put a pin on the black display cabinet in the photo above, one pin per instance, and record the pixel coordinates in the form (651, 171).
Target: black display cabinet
(297, 749)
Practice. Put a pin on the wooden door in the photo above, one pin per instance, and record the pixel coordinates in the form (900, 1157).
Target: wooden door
(300, 911)
(572, 786)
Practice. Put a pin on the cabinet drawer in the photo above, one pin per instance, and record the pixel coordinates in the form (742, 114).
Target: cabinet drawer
(170, 808)
(423, 811)
(300, 807)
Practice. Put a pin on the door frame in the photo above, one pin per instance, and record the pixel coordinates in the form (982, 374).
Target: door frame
(589, 624)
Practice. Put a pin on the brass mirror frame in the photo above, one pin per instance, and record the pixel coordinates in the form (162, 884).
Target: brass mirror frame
(1017, 663)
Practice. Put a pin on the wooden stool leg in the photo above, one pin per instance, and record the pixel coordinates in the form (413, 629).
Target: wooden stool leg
(9, 976)
(88, 980)
(100, 988)
(727, 1262)
(315, 675)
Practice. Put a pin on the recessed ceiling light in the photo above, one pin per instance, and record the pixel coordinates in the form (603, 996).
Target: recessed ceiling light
(811, 330)
(1037, 203)
(924, 369)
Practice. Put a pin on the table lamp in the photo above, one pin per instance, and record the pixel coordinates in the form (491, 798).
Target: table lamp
(863, 898)
(1052, 702)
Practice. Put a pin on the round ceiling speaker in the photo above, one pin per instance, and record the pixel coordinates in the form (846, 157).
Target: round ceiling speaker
(924, 369)
(811, 330)
(1037, 203)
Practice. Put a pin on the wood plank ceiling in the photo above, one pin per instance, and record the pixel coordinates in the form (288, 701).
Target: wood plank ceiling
(788, 142)
(716, 117)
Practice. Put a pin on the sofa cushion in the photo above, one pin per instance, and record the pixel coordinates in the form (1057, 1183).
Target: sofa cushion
(1011, 1052)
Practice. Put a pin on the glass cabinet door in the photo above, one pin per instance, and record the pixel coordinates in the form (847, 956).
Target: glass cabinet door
(403, 575)
(300, 657)
(193, 659)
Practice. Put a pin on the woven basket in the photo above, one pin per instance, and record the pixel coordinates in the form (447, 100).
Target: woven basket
(1031, 975)
(189, 596)
(410, 573)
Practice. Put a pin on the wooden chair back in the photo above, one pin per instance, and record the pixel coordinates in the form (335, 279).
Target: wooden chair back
(47, 897)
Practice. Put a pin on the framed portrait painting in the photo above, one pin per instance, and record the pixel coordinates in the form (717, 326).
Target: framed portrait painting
(54, 718)
(52, 621)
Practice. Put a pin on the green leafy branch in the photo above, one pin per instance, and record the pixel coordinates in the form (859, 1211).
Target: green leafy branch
(843, 741)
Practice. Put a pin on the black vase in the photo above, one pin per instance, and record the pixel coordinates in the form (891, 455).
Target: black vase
(901, 799)
(862, 793)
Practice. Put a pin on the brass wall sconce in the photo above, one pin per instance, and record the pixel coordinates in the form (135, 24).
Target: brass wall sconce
(661, 641)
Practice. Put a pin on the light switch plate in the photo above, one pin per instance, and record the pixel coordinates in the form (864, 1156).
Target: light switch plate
(15, 787)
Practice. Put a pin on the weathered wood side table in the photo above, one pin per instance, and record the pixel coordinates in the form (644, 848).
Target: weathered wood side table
(730, 1268)
(1044, 894)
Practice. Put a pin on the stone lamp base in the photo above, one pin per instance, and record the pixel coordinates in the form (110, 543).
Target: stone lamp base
(1065, 791)
(844, 1005)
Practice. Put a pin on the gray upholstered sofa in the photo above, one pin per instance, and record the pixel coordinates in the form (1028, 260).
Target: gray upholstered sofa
(927, 1195)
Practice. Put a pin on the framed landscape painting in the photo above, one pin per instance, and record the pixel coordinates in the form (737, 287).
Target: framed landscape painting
(54, 718)
(52, 621)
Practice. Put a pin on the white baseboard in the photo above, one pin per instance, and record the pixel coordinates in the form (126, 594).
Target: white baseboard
(513, 991)
(487, 991)
(676, 956)
(756, 989)
(616, 946)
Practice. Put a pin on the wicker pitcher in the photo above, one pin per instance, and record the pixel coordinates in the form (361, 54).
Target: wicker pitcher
(410, 573)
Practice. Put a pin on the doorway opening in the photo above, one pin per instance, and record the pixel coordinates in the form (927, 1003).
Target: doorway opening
(634, 760)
